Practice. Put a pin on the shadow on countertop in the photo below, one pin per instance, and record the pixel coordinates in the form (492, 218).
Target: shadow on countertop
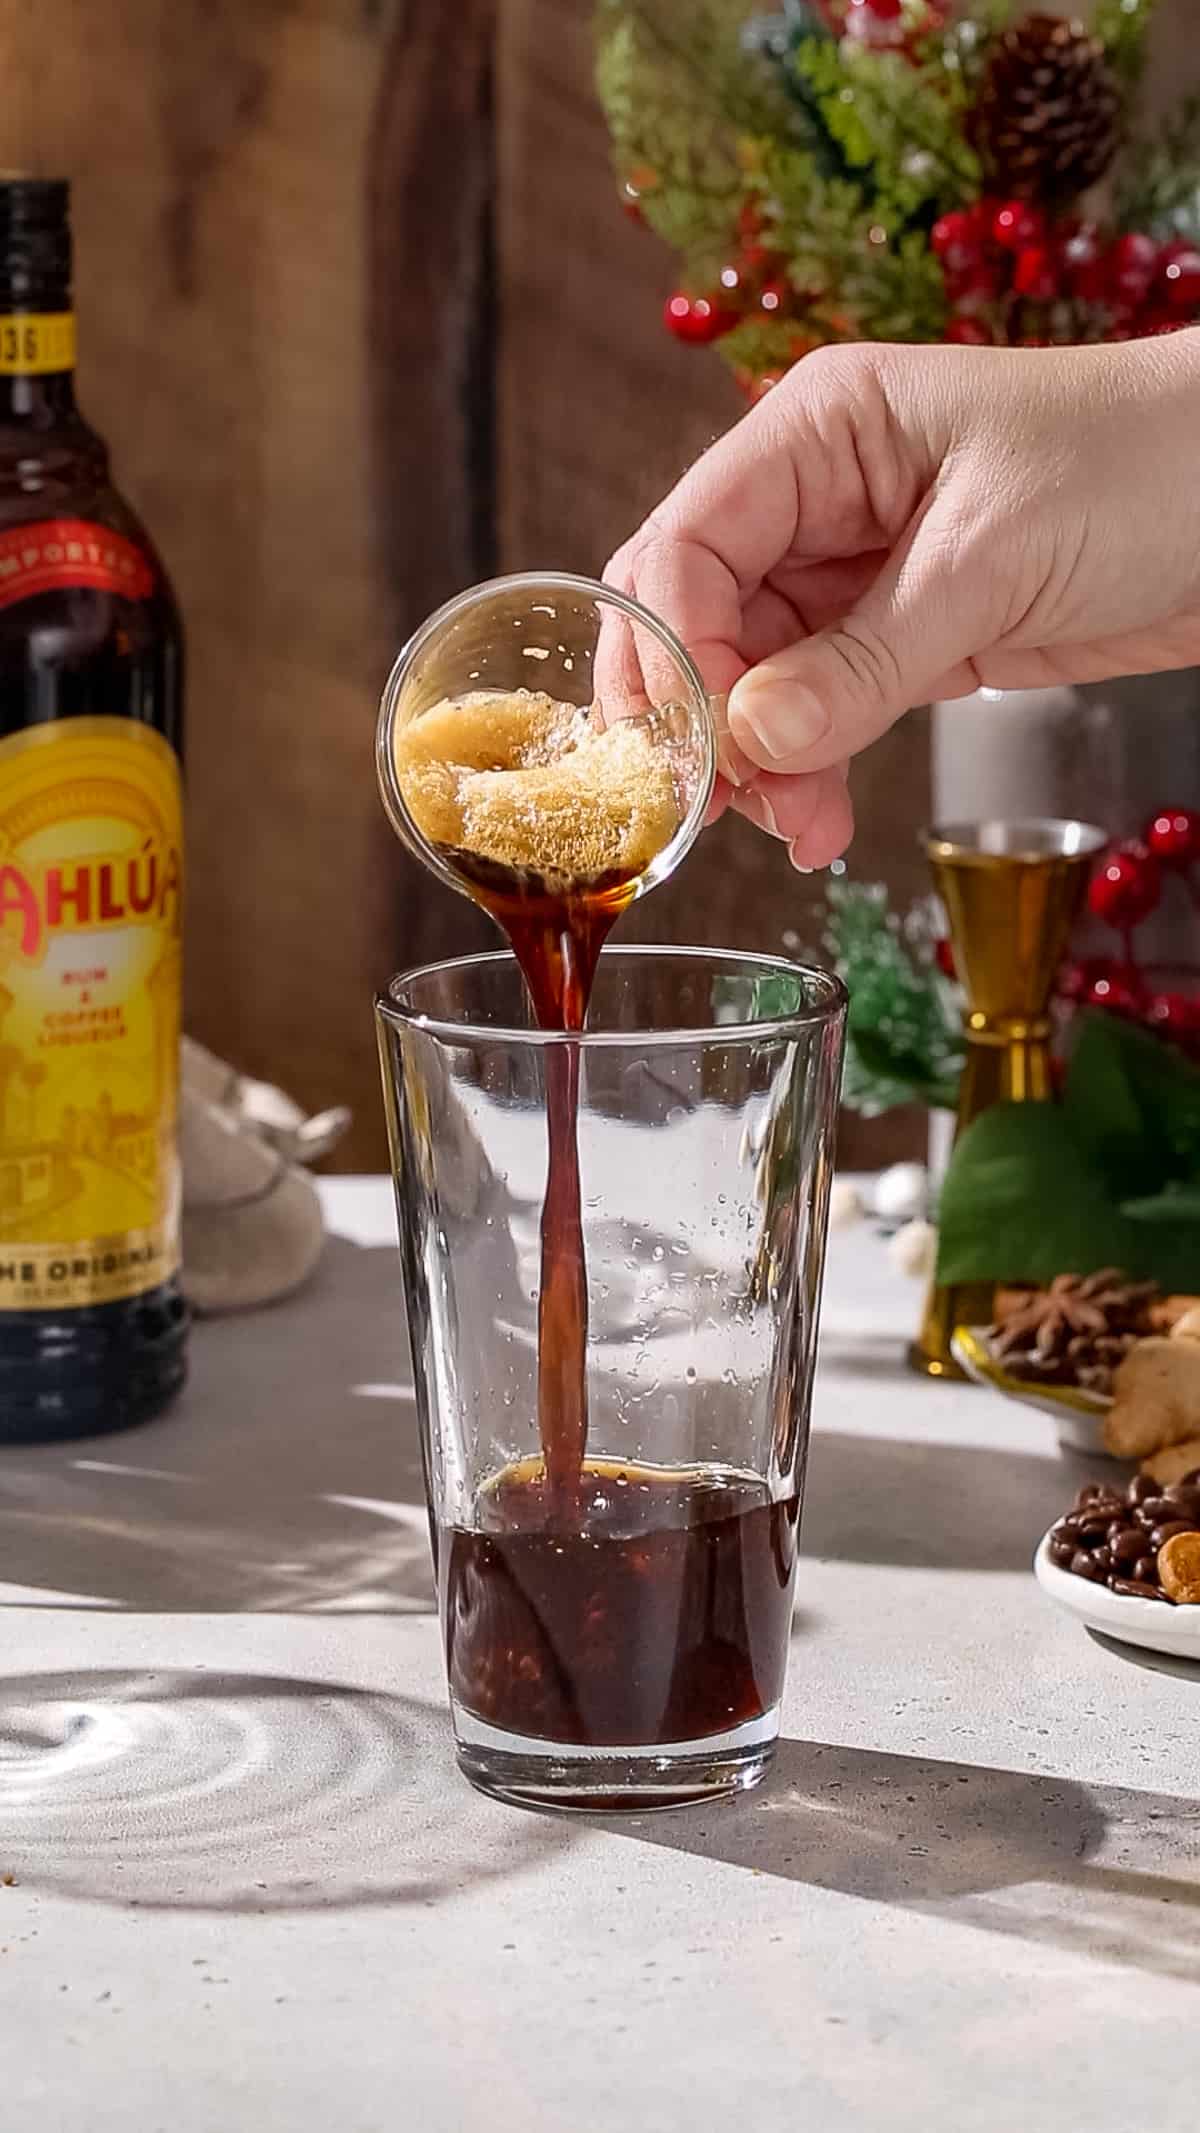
(165, 1789)
(931, 1506)
(286, 1479)
(1101, 1870)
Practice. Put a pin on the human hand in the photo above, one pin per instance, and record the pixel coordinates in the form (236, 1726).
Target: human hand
(892, 524)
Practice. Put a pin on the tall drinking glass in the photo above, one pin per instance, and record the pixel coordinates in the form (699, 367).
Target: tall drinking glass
(625, 1647)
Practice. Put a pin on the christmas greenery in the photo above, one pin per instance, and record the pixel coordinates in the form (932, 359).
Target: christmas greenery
(900, 170)
(904, 1040)
(1109, 1177)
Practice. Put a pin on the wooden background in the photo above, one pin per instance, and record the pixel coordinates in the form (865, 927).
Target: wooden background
(362, 322)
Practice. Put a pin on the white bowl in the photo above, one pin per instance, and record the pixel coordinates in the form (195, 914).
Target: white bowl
(1078, 1414)
(1151, 1624)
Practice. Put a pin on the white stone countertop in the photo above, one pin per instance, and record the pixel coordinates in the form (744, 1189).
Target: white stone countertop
(251, 1895)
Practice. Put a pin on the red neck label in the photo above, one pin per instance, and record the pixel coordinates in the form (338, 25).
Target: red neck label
(58, 553)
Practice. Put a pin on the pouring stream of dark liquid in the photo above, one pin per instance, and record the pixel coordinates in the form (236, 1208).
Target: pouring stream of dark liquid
(556, 928)
(599, 1602)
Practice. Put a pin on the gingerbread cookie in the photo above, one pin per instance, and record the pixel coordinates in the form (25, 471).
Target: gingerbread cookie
(1179, 1569)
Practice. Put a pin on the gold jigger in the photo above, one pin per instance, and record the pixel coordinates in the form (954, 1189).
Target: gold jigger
(1012, 892)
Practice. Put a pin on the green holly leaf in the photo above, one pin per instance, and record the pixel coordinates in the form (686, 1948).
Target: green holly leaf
(1022, 1201)
(1134, 1104)
(1027, 1197)
(1179, 1203)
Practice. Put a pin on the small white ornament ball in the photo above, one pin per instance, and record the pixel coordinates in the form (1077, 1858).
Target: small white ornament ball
(913, 1250)
(902, 1193)
(846, 1204)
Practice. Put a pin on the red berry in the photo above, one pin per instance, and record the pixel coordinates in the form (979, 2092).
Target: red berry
(875, 21)
(1017, 225)
(971, 286)
(1074, 980)
(1036, 274)
(749, 221)
(1174, 836)
(957, 240)
(1085, 266)
(944, 957)
(698, 319)
(1115, 995)
(1174, 1014)
(969, 333)
(1181, 282)
(1077, 981)
(756, 260)
(1127, 887)
(1131, 265)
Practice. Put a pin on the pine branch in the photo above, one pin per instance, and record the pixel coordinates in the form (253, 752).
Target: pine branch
(697, 54)
(904, 1039)
(896, 124)
(875, 284)
(961, 49)
(1123, 27)
(1159, 186)
(663, 122)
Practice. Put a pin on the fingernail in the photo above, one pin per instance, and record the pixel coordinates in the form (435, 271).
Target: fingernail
(732, 764)
(783, 720)
(758, 809)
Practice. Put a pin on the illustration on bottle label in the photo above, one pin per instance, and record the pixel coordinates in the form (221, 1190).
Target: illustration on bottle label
(55, 553)
(90, 985)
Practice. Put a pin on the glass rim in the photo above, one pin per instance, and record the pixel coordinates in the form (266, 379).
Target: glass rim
(563, 581)
(836, 999)
(991, 837)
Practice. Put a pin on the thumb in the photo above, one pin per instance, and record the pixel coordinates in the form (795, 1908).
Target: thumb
(832, 694)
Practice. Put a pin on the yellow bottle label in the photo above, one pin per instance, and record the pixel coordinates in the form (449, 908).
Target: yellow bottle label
(90, 966)
(35, 343)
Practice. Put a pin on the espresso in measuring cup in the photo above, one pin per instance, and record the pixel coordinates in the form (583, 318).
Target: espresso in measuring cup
(522, 782)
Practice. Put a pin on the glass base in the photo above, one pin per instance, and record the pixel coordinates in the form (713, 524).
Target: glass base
(539, 1773)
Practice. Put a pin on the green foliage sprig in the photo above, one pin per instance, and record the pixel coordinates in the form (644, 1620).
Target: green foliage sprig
(810, 173)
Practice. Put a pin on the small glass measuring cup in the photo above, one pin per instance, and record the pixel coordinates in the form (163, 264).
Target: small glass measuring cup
(578, 641)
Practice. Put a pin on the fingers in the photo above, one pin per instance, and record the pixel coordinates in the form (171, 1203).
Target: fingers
(826, 697)
(734, 767)
(811, 815)
(786, 483)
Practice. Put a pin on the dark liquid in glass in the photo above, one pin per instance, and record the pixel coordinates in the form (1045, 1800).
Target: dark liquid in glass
(662, 1616)
(596, 1604)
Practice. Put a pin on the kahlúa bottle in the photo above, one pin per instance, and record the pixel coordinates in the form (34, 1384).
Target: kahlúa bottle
(92, 1323)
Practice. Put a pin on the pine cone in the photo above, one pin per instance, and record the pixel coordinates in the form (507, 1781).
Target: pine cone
(1049, 118)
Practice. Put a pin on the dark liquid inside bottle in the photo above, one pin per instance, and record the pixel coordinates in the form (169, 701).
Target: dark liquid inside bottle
(91, 653)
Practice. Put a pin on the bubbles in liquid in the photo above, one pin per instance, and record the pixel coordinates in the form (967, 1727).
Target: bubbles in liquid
(524, 781)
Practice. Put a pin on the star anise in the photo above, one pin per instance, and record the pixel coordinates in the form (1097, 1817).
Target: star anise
(1076, 1331)
(1050, 1319)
